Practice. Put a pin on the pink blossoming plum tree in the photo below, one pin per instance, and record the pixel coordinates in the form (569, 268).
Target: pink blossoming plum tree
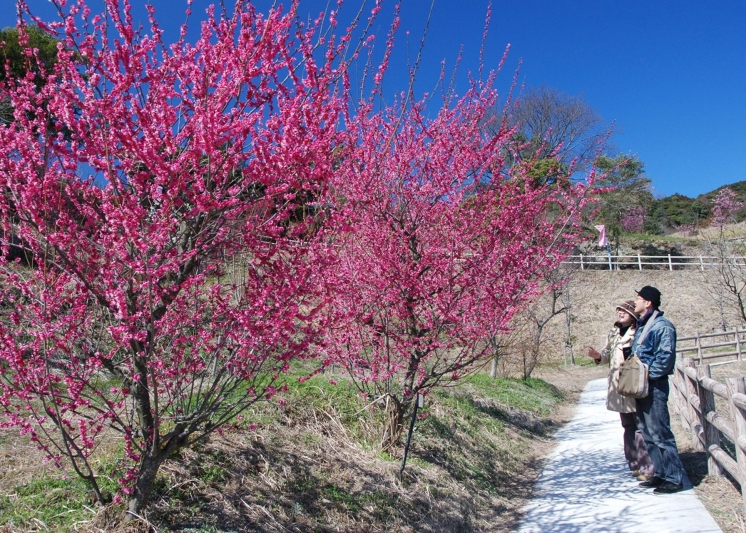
(633, 219)
(724, 207)
(129, 176)
(440, 244)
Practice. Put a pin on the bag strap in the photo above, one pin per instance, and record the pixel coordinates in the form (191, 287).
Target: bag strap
(647, 327)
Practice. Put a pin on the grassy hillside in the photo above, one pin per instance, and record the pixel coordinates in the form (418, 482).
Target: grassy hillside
(314, 465)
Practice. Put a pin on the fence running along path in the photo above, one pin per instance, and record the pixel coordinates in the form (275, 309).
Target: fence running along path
(650, 262)
(721, 347)
(694, 394)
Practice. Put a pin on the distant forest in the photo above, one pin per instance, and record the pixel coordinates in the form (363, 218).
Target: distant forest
(672, 213)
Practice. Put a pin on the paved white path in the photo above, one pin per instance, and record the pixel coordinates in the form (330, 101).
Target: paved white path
(586, 486)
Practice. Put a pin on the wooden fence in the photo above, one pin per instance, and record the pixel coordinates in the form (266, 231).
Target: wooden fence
(694, 395)
(650, 262)
(714, 348)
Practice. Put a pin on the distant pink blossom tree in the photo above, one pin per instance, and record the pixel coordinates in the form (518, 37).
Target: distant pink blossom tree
(440, 244)
(727, 281)
(129, 319)
(633, 219)
(689, 229)
(724, 207)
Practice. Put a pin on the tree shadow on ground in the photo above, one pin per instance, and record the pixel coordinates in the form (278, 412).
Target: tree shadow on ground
(281, 486)
(482, 468)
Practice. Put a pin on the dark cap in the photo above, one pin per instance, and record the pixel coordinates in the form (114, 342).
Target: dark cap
(651, 294)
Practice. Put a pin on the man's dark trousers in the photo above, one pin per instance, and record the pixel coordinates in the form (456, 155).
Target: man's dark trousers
(655, 424)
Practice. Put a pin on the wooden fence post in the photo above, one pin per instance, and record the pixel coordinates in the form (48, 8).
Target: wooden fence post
(699, 349)
(680, 394)
(581, 262)
(692, 390)
(738, 344)
(739, 425)
(710, 432)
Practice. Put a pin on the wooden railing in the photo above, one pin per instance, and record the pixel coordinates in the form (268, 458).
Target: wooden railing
(729, 346)
(694, 394)
(658, 262)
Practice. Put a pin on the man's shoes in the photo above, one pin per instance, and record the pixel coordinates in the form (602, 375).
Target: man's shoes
(668, 488)
(654, 481)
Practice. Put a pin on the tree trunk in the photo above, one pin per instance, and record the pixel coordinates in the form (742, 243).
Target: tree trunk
(144, 485)
(395, 411)
(535, 352)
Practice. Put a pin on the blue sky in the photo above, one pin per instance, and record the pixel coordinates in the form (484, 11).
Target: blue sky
(670, 74)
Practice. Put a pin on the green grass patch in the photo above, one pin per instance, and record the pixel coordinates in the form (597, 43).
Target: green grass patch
(668, 239)
(57, 503)
(533, 395)
(341, 400)
(471, 417)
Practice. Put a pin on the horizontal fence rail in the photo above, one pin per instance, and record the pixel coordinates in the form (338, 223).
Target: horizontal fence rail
(651, 262)
(720, 347)
(694, 393)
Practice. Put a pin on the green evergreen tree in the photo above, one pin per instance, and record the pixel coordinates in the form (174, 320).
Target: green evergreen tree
(625, 189)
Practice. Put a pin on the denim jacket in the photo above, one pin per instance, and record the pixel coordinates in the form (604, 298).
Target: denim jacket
(658, 349)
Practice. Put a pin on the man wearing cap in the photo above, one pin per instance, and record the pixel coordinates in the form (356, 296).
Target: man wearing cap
(618, 347)
(655, 345)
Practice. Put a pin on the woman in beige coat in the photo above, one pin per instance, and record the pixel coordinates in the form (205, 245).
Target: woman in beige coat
(618, 345)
